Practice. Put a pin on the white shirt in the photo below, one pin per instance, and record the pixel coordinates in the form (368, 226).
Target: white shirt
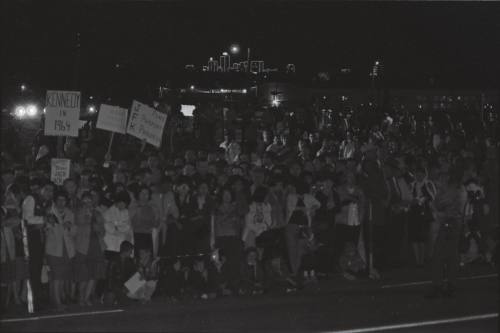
(118, 228)
(310, 202)
(28, 208)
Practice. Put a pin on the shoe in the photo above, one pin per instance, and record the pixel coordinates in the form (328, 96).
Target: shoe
(433, 293)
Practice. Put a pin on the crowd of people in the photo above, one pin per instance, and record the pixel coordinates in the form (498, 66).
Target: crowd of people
(273, 209)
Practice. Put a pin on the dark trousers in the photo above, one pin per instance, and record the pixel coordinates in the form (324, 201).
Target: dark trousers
(394, 240)
(446, 259)
(173, 245)
(379, 246)
(142, 241)
(232, 246)
(36, 250)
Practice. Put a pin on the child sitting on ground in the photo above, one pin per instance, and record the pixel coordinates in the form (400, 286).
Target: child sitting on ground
(172, 280)
(198, 282)
(218, 274)
(120, 270)
(351, 264)
(148, 271)
(251, 274)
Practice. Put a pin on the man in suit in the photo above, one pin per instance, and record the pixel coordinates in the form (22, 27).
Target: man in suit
(399, 203)
(378, 196)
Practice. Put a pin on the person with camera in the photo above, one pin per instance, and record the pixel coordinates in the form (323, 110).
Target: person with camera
(420, 214)
(448, 207)
(475, 223)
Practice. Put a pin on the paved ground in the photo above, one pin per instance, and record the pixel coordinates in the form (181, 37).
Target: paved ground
(333, 305)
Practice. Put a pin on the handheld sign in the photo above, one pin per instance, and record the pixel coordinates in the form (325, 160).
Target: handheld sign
(146, 123)
(62, 113)
(59, 170)
(112, 118)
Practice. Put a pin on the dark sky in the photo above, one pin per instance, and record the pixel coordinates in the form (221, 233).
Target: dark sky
(455, 43)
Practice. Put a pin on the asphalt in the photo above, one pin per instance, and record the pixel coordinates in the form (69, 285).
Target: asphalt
(332, 305)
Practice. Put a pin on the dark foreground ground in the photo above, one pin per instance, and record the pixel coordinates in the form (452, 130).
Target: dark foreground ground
(335, 305)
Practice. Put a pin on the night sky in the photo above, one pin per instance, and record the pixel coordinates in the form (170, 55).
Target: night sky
(456, 44)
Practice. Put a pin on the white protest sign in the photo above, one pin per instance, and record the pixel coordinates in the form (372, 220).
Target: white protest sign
(62, 113)
(146, 123)
(59, 170)
(112, 118)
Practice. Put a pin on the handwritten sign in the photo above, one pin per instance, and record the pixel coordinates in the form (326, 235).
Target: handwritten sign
(112, 118)
(62, 113)
(146, 123)
(59, 170)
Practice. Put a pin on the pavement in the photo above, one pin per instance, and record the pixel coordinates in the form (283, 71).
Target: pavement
(393, 304)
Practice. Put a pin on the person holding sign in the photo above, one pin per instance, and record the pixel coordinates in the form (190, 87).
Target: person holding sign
(59, 247)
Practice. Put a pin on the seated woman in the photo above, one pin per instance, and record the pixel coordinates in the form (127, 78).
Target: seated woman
(148, 271)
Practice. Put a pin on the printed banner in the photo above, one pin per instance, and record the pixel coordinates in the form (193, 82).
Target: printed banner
(146, 123)
(112, 118)
(62, 114)
(59, 170)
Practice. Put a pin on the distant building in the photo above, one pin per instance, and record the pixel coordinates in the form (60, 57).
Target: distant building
(376, 69)
(244, 65)
(189, 67)
(213, 65)
(257, 66)
(236, 67)
(225, 62)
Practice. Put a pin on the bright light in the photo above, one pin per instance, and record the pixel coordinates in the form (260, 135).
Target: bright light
(211, 59)
(91, 97)
(31, 110)
(377, 63)
(276, 101)
(235, 49)
(192, 87)
(244, 91)
(23, 87)
(224, 54)
(92, 109)
(44, 110)
(187, 110)
(20, 111)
